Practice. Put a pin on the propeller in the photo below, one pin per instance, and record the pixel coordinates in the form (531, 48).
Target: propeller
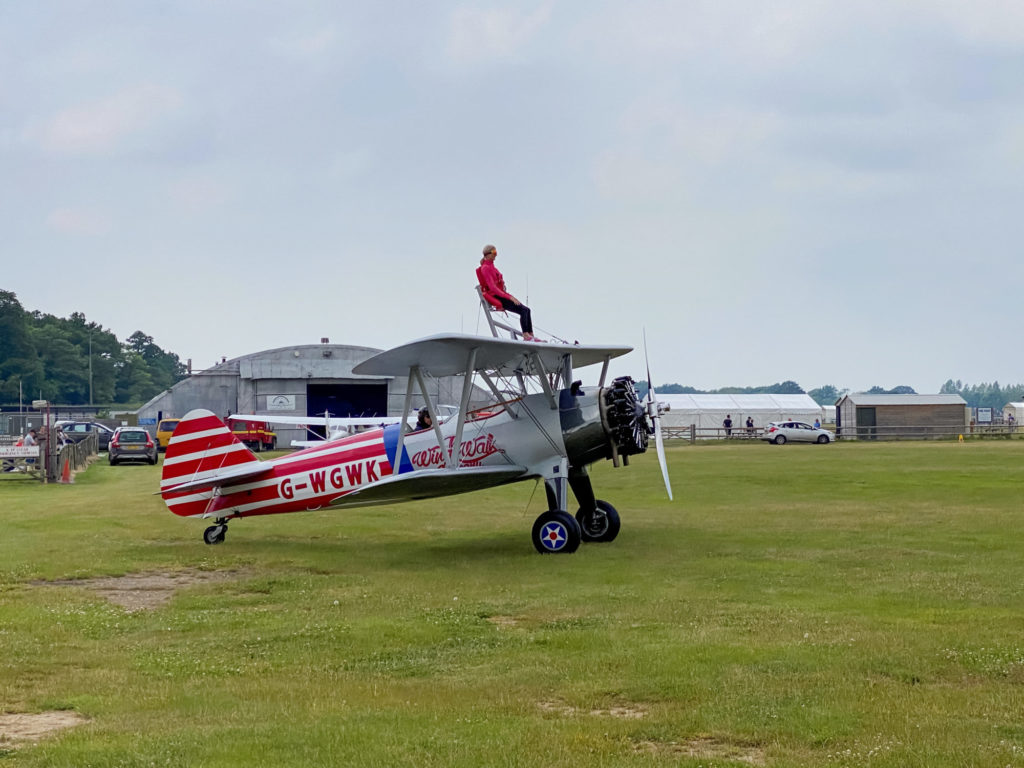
(654, 411)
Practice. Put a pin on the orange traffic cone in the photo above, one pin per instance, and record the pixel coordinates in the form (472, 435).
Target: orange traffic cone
(65, 476)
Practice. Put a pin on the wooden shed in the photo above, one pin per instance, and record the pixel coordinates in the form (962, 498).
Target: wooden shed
(894, 417)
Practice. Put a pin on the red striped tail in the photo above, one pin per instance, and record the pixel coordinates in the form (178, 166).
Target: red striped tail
(201, 447)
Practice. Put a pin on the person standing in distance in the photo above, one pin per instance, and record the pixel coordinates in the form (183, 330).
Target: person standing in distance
(493, 285)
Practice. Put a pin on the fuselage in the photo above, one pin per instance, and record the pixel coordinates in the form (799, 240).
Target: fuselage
(529, 433)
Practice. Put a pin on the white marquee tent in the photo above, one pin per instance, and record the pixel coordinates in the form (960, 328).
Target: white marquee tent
(708, 411)
(1017, 409)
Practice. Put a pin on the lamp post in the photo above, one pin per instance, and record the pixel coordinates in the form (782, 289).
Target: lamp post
(90, 369)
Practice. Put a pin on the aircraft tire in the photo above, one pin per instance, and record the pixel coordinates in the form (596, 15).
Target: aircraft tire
(215, 534)
(556, 533)
(601, 524)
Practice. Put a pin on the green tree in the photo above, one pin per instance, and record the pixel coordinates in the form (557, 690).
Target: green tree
(20, 368)
(134, 382)
(827, 394)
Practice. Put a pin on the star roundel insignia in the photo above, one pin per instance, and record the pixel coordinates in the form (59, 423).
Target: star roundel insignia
(553, 536)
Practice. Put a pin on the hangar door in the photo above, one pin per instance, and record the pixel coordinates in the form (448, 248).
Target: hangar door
(346, 400)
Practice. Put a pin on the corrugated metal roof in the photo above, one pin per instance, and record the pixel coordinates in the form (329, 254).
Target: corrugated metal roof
(859, 398)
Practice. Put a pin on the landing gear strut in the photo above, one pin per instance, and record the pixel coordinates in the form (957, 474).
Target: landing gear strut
(215, 533)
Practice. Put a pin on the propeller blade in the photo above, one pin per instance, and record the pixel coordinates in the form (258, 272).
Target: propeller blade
(650, 384)
(661, 457)
(654, 410)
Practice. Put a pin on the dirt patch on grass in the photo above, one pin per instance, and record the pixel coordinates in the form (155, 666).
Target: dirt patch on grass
(142, 591)
(704, 748)
(503, 621)
(625, 712)
(16, 730)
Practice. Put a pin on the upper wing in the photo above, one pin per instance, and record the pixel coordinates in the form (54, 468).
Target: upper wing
(446, 355)
(430, 483)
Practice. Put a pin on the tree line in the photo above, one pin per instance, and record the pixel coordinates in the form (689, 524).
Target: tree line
(825, 395)
(48, 357)
(983, 395)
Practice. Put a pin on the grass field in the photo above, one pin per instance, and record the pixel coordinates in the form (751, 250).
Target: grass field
(838, 605)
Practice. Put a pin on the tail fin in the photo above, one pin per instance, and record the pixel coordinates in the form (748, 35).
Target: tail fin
(201, 447)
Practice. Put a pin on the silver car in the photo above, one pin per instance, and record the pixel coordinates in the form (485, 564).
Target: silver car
(782, 432)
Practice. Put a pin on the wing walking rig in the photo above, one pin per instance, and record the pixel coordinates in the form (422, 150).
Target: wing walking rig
(552, 434)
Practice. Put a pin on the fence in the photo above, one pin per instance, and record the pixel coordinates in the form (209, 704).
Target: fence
(694, 433)
(931, 432)
(73, 457)
(43, 464)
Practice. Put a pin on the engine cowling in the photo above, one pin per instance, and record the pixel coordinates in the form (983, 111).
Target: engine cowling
(603, 424)
(625, 418)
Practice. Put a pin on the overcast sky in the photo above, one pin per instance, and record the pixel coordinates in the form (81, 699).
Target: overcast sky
(829, 192)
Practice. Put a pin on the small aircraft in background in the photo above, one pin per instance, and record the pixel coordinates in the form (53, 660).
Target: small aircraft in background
(542, 424)
(335, 427)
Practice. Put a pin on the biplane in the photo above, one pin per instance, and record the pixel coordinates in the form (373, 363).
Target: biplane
(540, 424)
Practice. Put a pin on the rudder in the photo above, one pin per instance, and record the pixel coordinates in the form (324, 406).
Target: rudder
(201, 446)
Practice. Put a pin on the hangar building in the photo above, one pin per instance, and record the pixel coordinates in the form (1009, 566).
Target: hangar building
(880, 417)
(295, 381)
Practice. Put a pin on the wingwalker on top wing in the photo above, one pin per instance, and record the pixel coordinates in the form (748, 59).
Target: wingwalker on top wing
(552, 434)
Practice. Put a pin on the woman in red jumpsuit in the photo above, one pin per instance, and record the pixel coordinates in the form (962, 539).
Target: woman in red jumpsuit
(493, 285)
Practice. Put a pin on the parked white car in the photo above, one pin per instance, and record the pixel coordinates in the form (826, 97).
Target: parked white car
(781, 432)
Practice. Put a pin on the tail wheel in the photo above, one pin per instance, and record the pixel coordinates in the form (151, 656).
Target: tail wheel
(215, 534)
(601, 524)
(556, 533)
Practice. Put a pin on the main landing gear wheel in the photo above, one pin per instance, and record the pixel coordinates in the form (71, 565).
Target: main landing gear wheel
(215, 533)
(600, 524)
(556, 532)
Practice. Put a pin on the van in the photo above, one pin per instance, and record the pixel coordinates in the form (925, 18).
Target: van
(164, 429)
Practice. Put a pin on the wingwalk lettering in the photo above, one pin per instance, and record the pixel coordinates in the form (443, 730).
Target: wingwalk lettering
(471, 452)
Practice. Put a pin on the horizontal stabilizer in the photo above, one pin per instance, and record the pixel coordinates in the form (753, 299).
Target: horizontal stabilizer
(223, 477)
(429, 483)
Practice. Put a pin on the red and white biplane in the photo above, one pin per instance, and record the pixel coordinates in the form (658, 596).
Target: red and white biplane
(552, 434)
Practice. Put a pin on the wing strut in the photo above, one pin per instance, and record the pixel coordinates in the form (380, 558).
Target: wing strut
(433, 413)
(467, 386)
(499, 396)
(542, 374)
(567, 370)
(403, 425)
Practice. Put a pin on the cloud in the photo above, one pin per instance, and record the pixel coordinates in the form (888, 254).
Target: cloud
(101, 127)
(982, 22)
(196, 194)
(79, 221)
(478, 35)
(308, 45)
